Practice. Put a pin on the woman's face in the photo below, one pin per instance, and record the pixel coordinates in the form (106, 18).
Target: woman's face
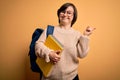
(66, 16)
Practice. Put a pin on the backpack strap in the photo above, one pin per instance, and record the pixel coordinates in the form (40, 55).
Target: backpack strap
(50, 30)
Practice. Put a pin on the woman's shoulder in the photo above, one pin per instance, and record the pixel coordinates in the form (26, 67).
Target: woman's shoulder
(76, 31)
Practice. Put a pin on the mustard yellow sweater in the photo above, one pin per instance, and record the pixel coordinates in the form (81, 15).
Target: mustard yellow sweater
(75, 45)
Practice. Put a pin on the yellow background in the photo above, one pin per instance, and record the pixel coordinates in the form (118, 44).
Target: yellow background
(19, 18)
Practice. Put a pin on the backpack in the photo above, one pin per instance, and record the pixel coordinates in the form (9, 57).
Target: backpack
(33, 57)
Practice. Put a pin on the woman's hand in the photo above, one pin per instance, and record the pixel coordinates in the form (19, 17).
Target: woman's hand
(88, 31)
(54, 56)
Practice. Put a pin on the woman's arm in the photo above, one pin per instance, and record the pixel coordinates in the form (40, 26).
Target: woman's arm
(40, 49)
(83, 43)
(83, 46)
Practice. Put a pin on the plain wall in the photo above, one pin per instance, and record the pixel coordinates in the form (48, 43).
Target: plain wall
(19, 18)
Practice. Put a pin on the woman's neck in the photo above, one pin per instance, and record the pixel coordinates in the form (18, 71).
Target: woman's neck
(65, 26)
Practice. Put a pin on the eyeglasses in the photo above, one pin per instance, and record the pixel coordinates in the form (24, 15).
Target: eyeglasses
(69, 13)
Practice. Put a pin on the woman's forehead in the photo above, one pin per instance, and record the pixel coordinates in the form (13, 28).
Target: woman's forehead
(70, 8)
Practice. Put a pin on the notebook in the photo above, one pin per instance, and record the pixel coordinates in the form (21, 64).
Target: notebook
(53, 44)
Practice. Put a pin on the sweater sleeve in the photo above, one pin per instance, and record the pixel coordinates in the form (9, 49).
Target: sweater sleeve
(40, 49)
(82, 46)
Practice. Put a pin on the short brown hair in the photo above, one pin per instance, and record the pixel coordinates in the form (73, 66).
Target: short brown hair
(64, 7)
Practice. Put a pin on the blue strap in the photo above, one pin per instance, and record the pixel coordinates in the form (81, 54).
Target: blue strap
(50, 30)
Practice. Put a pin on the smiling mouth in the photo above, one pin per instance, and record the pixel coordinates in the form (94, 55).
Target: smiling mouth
(64, 18)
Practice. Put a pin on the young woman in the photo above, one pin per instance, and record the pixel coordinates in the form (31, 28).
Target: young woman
(74, 43)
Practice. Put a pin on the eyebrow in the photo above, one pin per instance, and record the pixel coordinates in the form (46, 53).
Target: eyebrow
(67, 11)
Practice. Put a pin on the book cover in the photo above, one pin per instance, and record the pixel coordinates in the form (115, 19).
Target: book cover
(53, 44)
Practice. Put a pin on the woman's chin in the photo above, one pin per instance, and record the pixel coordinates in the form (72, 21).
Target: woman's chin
(65, 21)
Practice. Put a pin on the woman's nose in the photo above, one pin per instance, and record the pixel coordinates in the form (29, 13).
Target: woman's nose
(65, 14)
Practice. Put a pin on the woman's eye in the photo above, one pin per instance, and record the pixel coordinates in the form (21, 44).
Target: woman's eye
(69, 13)
(63, 12)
